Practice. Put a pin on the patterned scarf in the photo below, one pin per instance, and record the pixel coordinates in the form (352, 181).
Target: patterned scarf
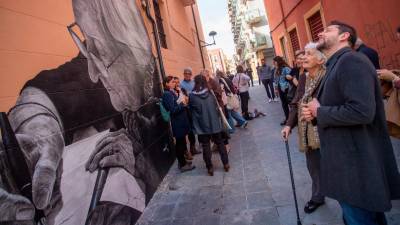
(308, 133)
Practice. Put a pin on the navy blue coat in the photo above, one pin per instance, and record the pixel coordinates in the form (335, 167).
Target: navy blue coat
(358, 166)
(179, 118)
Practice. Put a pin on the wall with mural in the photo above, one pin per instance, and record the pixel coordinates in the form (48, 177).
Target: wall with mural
(80, 86)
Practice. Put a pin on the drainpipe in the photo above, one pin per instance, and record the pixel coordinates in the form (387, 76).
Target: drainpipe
(198, 38)
(156, 38)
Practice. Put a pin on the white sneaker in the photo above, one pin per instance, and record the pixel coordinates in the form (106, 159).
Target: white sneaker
(270, 100)
(276, 99)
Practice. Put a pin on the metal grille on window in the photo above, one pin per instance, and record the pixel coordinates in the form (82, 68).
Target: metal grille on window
(294, 40)
(160, 25)
(316, 25)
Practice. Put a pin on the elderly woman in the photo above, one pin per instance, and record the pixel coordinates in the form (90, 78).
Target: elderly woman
(308, 135)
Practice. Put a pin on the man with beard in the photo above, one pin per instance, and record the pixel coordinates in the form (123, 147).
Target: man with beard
(358, 167)
(109, 82)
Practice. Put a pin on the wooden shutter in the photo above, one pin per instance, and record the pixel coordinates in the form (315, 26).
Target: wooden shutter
(294, 40)
(316, 25)
(160, 26)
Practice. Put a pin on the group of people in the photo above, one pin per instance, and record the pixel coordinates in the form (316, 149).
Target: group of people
(206, 106)
(342, 130)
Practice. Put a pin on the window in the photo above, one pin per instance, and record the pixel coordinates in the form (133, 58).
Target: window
(294, 40)
(160, 25)
(316, 25)
(283, 47)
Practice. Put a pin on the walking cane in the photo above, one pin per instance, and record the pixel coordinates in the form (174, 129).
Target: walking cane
(293, 185)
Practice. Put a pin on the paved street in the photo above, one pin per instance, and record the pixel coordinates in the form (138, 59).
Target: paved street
(256, 191)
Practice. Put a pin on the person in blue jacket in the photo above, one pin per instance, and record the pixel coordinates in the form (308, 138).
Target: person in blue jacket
(179, 121)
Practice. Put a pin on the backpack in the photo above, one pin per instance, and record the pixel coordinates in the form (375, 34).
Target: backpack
(165, 114)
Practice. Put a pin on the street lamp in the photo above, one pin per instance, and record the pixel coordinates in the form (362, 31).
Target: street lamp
(211, 34)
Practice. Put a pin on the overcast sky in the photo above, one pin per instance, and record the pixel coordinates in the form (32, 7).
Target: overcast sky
(214, 16)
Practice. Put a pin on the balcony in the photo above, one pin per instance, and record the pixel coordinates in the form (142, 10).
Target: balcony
(253, 16)
(261, 41)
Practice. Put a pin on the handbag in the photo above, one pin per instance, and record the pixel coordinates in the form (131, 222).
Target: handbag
(224, 121)
(165, 114)
(232, 99)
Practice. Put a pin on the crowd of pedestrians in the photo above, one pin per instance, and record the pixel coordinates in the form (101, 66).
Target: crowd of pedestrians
(333, 93)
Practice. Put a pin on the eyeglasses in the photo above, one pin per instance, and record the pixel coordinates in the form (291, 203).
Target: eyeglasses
(83, 49)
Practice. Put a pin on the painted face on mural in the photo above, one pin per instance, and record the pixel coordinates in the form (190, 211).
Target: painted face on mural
(117, 48)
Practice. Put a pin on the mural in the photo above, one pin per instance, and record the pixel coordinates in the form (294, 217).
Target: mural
(90, 130)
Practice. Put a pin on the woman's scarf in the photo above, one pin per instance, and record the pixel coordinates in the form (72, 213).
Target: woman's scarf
(308, 133)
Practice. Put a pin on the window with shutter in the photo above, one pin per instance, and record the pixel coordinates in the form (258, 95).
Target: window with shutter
(294, 40)
(315, 24)
(160, 26)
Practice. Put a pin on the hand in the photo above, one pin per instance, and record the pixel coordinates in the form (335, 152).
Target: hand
(386, 75)
(306, 114)
(289, 77)
(14, 207)
(114, 150)
(313, 106)
(285, 132)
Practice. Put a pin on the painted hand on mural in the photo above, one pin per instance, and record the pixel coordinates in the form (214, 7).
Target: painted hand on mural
(115, 150)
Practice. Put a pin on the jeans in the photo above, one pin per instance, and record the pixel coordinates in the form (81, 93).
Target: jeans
(180, 149)
(357, 216)
(204, 139)
(284, 102)
(269, 87)
(244, 101)
(233, 115)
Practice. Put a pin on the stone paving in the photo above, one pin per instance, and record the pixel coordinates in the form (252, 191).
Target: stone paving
(256, 191)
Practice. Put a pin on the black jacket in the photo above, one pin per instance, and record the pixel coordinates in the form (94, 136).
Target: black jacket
(371, 54)
(358, 166)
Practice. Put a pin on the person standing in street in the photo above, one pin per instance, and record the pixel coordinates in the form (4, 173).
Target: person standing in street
(187, 85)
(267, 78)
(207, 122)
(358, 167)
(371, 54)
(179, 121)
(241, 83)
(282, 75)
(309, 143)
(249, 73)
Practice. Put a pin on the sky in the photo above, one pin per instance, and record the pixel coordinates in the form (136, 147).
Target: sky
(214, 17)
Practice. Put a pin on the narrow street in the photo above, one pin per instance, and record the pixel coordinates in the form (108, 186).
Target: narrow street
(256, 191)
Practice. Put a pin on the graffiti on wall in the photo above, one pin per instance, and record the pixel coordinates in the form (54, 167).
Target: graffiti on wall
(382, 35)
(93, 118)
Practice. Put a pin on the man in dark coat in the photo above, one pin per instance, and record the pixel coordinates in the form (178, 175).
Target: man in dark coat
(367, 51)
(358, 166)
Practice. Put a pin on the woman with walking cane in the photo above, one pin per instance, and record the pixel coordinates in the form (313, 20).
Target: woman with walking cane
(308, 135)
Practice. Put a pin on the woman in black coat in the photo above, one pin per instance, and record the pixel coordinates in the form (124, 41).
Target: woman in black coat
(179, 121)
(207, 122)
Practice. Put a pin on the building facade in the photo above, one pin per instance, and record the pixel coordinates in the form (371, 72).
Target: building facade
(295, 23)
(251, 32)
(217, 60)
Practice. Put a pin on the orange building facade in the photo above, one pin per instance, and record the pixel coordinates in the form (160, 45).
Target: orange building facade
(217, 60)
(294, 23)
(34, 37)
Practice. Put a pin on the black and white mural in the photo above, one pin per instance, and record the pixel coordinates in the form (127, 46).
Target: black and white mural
(90, 130)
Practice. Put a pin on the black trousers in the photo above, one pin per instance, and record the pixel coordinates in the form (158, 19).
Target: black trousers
(284, 102)
(269, 87)
(244, 101)
(180, 149)
(313, 158)
(192, 139)
(204, 140)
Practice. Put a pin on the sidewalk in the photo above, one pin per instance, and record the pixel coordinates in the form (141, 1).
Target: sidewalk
(257, 190)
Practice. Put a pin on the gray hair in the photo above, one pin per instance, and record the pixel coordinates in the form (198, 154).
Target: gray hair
(314, 45)
(187, 70)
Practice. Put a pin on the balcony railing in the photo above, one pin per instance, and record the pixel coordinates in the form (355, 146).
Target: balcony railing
(253, 16)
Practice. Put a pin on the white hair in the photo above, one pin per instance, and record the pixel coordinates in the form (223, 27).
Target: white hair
(314, 46)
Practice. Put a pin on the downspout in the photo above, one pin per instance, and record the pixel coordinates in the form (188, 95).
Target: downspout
(198, 37)
(156, 40)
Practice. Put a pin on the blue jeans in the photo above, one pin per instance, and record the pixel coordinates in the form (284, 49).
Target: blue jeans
(357, 216)
(237, 116)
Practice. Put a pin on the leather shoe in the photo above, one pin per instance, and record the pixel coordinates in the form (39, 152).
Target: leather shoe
(210, 171)
(311, 206)
(226, 167)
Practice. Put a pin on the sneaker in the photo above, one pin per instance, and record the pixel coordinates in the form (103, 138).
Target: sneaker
(276, 100)
(188, 156)
(244, 125)
(270, 100)
(194, 151)
(187, 167)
